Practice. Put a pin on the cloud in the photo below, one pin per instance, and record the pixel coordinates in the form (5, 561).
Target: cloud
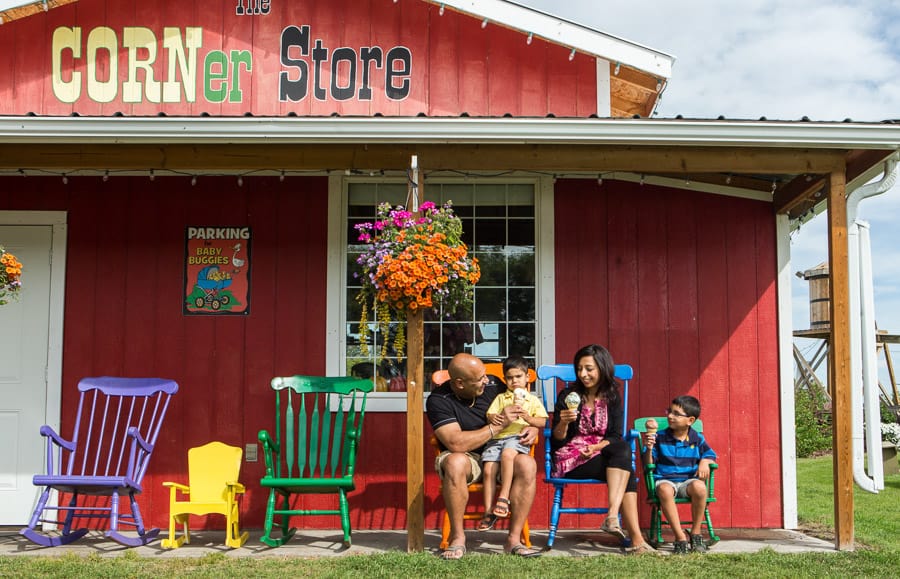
(823, 59)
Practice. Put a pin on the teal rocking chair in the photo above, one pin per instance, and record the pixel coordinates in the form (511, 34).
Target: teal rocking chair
(318, 422)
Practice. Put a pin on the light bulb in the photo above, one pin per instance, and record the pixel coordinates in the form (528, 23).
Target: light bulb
(193, 181)
(599, 180)
(572, 55)
(642, 180)
(106, 176)
(65, 179)
(530, 38)
(152, 176)
(616, 71)
(281, 177)
(728, 180)
(484, 23)
(441, 11)
(240, 181)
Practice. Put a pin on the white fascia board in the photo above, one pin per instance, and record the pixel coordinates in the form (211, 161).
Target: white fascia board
(566, 33)
(350, 130)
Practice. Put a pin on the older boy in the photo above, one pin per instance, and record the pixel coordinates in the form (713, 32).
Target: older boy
(682, 457)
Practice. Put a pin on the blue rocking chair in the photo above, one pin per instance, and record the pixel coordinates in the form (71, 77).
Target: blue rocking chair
(116, 428)
(564, 374)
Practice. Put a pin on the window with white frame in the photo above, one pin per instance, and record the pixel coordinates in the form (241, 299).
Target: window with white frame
(500, 229)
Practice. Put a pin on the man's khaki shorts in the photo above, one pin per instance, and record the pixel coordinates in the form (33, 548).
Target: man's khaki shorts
(474, 463)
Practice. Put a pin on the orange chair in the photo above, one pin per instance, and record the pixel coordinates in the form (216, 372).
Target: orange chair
(438, 378)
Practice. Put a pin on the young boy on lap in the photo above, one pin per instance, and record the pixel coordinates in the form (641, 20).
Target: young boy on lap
(505, 444)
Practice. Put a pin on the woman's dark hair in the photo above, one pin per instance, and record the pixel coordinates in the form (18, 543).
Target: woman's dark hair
(608, 387)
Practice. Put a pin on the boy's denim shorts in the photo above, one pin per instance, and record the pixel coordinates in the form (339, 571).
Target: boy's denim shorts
(681, 487)
(495, 446)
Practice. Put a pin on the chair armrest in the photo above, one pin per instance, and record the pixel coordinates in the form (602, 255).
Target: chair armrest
(178, 486)
(270, 449)
(236, 486)
(47, 431)
(134, 433)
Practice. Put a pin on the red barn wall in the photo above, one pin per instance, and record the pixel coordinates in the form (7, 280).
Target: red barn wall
(456, 66)
(682, 286)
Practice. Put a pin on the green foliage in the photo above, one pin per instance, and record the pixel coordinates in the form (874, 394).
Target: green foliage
(813, 430)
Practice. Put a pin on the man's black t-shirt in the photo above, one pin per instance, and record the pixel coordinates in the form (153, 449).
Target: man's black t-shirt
(443, 407)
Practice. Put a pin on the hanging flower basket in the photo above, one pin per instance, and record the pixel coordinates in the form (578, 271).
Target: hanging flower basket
(412, 263)
(10, 276)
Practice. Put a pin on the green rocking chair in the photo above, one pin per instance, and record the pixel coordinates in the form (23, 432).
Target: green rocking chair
(657, 520)
(318, 422)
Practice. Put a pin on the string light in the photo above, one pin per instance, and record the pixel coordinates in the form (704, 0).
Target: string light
(530, 38)
(774, 185)
(65, 179)
(641, 183)
(572, 54)
(441, 11)
(194, 181)
(106, 176)
(281, 177)
(240, 181)
(616, 71)
(599, 180)
(728, 179)
(484, 23)
(152, 175)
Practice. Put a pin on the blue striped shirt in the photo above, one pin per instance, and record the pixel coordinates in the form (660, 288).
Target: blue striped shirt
(678, 460)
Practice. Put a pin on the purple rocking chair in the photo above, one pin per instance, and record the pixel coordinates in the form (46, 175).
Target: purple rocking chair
(116, 428)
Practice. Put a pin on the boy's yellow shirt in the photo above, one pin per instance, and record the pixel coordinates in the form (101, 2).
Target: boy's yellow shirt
(532, 406)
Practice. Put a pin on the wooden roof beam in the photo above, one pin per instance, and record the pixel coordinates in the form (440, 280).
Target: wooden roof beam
(547, 158)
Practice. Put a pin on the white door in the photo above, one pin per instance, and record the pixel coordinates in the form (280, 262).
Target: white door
(24, 333)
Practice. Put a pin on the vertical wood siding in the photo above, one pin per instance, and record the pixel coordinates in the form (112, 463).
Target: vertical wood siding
(682, 286)
(457, 67)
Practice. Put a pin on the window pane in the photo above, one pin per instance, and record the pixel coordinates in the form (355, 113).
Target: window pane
(521, 232)
(521, 267)
(490, 232)
(521, 340)
(521, 305)
(493, 269)
(490, 303)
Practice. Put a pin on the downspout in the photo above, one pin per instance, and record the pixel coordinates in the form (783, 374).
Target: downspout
(862, 335)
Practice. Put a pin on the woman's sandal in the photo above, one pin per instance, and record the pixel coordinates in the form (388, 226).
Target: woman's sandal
(487, 522)
(501, 509)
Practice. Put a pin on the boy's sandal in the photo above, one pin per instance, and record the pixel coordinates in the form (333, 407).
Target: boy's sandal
(487, 522)
(521, 550)
(501, 509)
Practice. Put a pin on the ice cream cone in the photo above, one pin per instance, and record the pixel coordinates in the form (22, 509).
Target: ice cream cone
(519, 395)
(573, 400)
(652, 426)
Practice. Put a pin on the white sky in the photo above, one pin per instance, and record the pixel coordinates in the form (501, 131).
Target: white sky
(823, 59)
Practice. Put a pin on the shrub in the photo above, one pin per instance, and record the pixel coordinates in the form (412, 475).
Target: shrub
(813, 429)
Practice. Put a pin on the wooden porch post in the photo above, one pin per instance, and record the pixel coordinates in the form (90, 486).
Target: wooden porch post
(839, 360)
(415, 381)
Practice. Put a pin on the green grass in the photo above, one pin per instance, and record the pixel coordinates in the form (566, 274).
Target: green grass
(877, 526)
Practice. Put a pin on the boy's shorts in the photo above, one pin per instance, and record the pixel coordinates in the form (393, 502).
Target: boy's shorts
(681, 487)
(474, 464)
(495, 446)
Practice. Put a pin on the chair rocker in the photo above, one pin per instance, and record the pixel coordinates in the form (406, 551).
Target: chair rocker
(657, 519)
(438, 378)
(213, 471)
(318, 424)
(555, 377)
(116, 426)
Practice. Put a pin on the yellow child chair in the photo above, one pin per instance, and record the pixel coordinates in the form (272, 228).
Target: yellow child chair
(213, 471)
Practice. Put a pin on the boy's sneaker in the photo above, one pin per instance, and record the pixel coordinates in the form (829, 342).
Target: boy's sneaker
(681, 547)
(697, 544)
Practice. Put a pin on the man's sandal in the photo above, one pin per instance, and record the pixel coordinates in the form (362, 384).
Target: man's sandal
(453, 552)
(487, 522)
(521, 550)
(501, 509)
